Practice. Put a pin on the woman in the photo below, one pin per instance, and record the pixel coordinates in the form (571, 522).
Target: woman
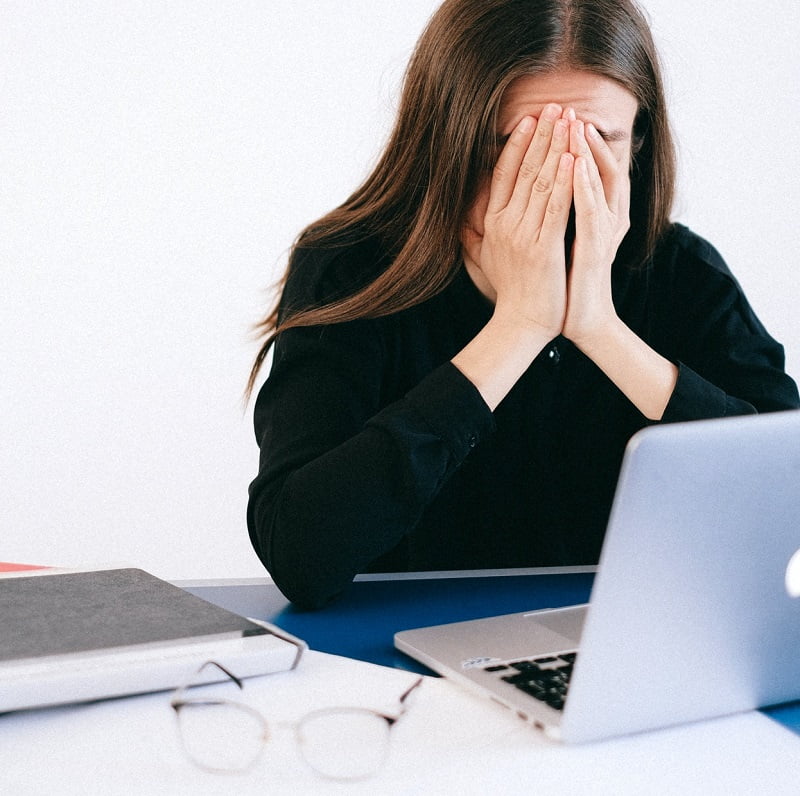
(464, 347)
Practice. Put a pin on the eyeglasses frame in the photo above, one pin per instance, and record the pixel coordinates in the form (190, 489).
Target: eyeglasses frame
(179, 701)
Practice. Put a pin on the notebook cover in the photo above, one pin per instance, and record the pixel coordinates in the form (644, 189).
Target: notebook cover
(73, 612)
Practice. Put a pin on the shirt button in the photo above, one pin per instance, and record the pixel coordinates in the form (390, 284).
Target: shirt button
(473, 440)
(554, 355)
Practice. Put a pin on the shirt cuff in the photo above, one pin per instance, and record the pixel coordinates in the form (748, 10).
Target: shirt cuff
(694, 398)
(453, 409)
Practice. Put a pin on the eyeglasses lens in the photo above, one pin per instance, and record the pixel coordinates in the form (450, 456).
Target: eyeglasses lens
(221, 736)
(344, 744)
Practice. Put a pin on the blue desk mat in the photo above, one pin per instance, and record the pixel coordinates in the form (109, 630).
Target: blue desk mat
(362, 623)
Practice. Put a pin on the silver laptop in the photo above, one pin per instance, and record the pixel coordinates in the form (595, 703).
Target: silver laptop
(695, 608)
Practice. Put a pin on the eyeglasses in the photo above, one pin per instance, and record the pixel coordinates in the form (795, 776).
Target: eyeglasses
(226, 736)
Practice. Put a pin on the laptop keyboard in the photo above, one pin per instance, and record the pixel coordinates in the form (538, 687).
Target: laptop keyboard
(545, 678)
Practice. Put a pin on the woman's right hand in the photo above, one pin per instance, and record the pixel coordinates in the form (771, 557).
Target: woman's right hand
(518, 257)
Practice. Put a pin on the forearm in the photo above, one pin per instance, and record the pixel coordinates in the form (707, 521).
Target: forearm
(645, 377)
(321, 524)
(320, 511)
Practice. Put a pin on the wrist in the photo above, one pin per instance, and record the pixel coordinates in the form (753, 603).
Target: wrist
(601, 339)
(521, 325)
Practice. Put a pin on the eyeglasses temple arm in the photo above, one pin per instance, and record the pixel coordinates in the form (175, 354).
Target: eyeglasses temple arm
(409, 690)
(278, 632)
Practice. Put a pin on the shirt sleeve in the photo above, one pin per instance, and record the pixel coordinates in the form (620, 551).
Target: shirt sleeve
(728, 364)
(695, 398)
(342, 477)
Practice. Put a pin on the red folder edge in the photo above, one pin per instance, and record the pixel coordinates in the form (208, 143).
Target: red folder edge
(6, 566)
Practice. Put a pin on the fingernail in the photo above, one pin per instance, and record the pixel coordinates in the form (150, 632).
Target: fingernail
(526, 125)
(551, 112)
(592, 130)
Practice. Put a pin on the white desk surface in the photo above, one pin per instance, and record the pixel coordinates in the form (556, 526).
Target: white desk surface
(449, 742)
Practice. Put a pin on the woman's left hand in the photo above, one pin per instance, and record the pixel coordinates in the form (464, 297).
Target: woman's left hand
(601, 195)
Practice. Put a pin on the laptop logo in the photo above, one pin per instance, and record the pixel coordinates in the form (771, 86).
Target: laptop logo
(478, 662)
(793, 575)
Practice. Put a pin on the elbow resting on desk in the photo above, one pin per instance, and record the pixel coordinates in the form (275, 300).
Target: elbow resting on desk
(304, 588)
(308, 579)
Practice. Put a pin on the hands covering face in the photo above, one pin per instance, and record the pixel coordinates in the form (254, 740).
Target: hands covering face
(547, 166)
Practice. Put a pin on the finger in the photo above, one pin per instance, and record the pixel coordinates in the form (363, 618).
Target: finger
(534, 185)
(579, 146)
(504, 175)
(554, 224)
(585, 198)
(538, 169)
(613, 175)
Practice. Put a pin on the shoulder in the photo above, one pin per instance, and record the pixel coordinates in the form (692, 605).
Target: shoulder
(319, 274)
(689, 267)
(683, 250)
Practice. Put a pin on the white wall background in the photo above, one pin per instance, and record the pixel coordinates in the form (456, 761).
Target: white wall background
(156, 161)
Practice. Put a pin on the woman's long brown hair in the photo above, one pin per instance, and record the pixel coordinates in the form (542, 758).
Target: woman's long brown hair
(445, 141)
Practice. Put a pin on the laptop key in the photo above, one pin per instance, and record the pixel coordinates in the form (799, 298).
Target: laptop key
(545, 678)
(516, 679)
(534, 689)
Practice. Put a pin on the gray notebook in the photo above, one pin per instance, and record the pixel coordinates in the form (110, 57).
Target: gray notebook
(83, 635)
